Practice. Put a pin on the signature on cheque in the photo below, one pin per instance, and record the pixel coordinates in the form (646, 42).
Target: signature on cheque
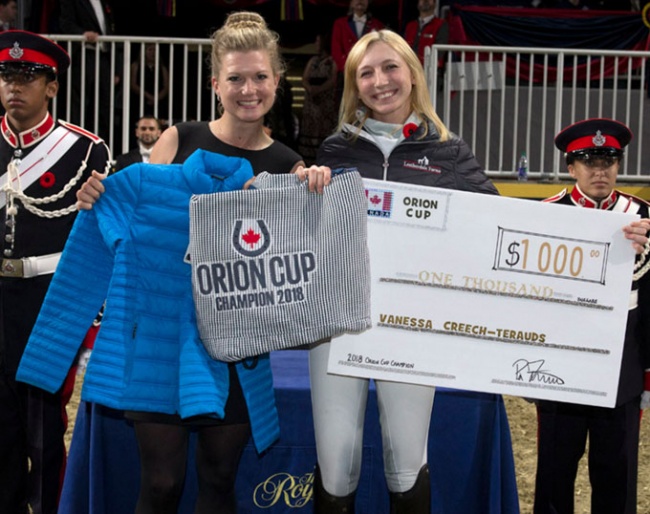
(531, 371)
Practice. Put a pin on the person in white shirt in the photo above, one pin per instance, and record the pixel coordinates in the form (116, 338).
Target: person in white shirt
(147, 132)
(92, 19)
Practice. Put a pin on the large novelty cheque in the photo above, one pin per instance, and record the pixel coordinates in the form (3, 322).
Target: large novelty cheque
(492, 294)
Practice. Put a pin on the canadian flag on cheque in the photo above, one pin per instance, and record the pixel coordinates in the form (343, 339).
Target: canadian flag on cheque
(380, 202)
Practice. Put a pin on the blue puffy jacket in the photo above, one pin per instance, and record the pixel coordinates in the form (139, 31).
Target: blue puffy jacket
(129, 250)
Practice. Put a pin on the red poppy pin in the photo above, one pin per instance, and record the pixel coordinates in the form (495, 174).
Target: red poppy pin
(409, 129)
(47, 179)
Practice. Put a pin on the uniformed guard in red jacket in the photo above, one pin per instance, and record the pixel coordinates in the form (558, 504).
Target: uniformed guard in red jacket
(594, 150)
(42, 164)
(346, 31)
(426, 30)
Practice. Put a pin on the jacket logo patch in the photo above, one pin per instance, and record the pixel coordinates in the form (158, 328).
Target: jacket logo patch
(251, 238)
(422, 165)
(380, 202)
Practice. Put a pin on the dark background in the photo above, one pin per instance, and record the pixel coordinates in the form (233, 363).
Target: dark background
(199, 18)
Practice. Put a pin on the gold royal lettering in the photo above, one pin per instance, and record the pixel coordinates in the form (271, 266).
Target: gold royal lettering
(285, 488)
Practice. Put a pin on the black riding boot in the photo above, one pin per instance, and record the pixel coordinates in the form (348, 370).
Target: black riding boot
(325, 503)
(417, 500)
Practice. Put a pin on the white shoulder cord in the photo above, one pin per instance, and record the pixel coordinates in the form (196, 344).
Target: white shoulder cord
(29, 202)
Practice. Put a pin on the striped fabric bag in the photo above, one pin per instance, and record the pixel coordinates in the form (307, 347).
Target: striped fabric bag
(278, 267)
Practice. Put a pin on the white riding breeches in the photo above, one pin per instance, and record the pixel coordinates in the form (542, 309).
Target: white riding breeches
(339, 407)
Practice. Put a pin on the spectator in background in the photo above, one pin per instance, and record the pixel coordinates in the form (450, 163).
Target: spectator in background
(280, 123)
(346, 31)
(8, 14)
(427, 30)
(143, 83)
(91, 19)
(147, 132)
(320, 109)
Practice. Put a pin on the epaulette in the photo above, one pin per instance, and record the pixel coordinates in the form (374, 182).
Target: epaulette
(80, 130)
(634, 198)
(557, 197)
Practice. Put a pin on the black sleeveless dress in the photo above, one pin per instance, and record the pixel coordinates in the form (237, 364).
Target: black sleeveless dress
(277, 158)
(192, 135)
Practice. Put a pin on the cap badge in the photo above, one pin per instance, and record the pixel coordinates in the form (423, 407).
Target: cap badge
(599, 139)
(16, 52)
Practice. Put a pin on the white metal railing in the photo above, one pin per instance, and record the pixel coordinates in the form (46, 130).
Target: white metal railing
(502, 101)
(505, 101)
(189, 98)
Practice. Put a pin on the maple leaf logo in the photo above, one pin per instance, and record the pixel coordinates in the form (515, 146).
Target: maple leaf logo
(251, 237)
(375, 199)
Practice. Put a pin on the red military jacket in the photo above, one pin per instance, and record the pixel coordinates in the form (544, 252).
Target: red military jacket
(344, 36)
(419, 38)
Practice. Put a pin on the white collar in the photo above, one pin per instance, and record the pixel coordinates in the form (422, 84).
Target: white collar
(145, 152)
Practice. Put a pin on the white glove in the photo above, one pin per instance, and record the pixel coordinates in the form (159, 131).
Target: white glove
(645, 400)
(645, 396)
(82, 360)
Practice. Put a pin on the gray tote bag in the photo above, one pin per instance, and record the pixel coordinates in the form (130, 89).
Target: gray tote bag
(278, 267)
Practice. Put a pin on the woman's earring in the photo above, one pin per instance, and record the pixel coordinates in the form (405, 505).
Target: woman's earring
(361, 112)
